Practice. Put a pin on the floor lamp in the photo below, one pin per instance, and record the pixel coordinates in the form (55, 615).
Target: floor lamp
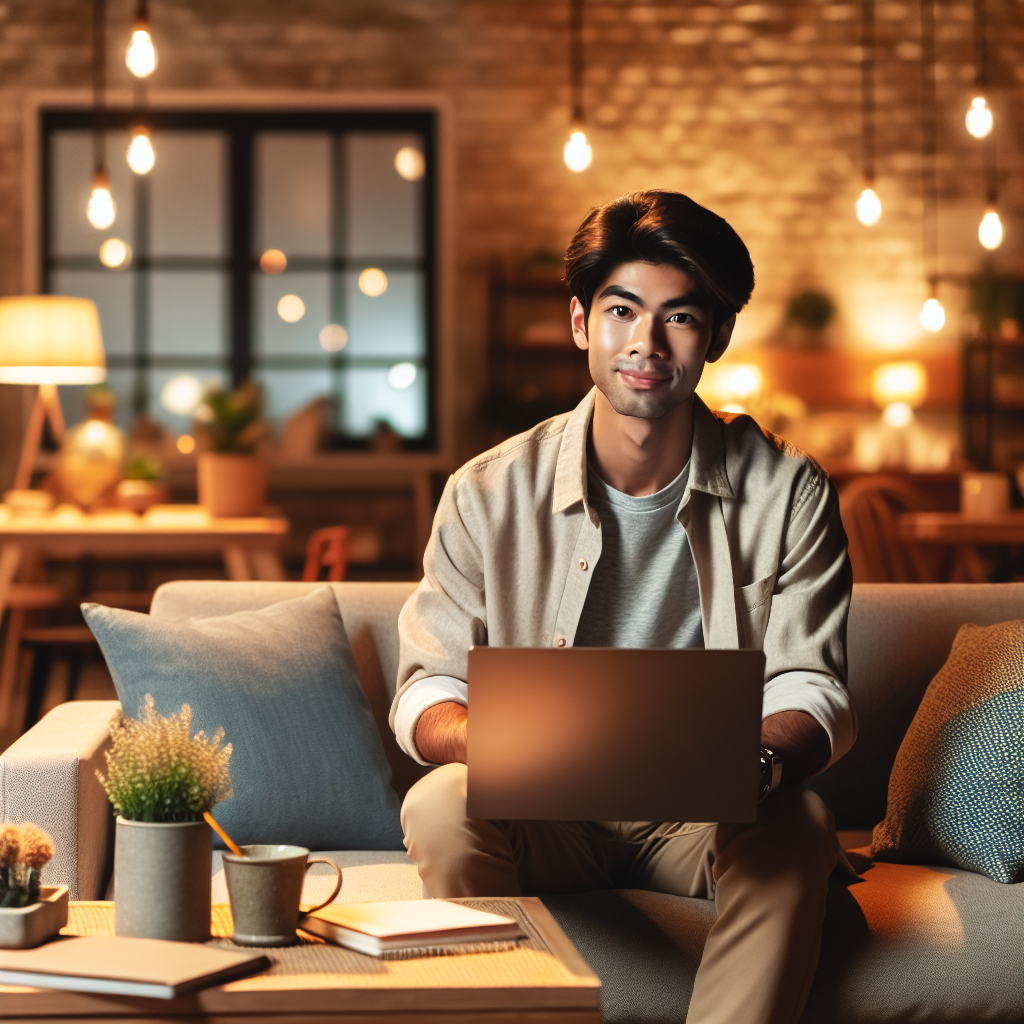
(48, 340)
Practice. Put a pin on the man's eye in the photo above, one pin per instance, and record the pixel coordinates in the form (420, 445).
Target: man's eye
(681, 318)
(621, 310)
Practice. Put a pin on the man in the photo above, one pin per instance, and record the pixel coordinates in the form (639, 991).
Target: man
(642, 519)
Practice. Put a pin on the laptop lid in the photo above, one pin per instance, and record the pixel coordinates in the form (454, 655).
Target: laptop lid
(596, 734)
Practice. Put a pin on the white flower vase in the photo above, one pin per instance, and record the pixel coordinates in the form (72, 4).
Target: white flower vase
(162, 880)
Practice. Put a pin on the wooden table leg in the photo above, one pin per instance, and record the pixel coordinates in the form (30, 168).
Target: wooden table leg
(236, 563)
(267, 564)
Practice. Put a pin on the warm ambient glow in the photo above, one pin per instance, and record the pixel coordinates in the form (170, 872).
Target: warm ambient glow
(898, 414)
(101, 210)
(745, 381)
(291, 309)
(186, 444)
(181, 395)
(990, 230)
(115, 253)
(869, 207)
(979, 118)
(410, 164)
(373, 282)
(50, 339)
(140, 152)
(141, 54)
(402, 376)
(905, 382)
(577, 153)
(933, 316)
(273, 261)
(333, 338)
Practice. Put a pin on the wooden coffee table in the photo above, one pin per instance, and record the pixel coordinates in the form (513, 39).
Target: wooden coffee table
(544, 981)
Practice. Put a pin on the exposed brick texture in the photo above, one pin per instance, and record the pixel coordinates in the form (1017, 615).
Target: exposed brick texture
(752, 109)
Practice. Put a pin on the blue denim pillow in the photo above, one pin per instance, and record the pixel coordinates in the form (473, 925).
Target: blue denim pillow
(956, 793)
(307, 765)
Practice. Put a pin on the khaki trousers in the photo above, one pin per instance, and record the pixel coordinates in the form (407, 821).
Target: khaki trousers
(768, 880)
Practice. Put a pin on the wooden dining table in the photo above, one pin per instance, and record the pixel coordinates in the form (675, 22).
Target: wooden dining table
(964, 533)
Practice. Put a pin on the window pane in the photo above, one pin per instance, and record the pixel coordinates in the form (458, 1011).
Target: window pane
(176, 422)
(368, 399)
(112, 291)
(287, 391)
(275, 335)
(188, 314)
(73, 235)
(293, 193)
(382, 208)
(390, 324)
(187, 184)
(122, 383)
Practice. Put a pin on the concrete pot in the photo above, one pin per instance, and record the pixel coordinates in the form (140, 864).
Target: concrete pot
(232, 485)
(162, 880)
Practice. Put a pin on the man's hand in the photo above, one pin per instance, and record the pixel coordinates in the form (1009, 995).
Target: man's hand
(441, 733)
(798, 738)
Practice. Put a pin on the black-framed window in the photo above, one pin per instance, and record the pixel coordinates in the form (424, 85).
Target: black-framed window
(349, 198)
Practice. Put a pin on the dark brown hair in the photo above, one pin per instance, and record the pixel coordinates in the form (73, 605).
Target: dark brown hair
(658, 226)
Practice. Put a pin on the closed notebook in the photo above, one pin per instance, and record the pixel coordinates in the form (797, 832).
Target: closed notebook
(124, 966)
(381, 928)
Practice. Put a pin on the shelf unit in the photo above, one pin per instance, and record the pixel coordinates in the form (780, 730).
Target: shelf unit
(993, 402)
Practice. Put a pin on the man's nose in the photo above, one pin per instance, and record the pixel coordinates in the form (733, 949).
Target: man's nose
(648, 341)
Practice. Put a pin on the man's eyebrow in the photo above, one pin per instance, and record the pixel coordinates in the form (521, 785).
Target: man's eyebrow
(685, 300)
(690, 299)
(622, 293)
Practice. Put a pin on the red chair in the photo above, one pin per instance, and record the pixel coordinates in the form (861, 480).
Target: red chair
(326, 549)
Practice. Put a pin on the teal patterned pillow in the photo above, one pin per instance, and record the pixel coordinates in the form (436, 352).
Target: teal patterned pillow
(956, 793)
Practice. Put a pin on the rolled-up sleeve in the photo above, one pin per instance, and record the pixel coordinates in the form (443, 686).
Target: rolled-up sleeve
(417, 698)
(805, 640)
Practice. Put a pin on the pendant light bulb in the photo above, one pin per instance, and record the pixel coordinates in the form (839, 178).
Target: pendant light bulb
(990, 230)
(933, 316)
(140, 152)
(869, 207)
(101, 210)
(979, 118)
(141, 54)
(577, 153)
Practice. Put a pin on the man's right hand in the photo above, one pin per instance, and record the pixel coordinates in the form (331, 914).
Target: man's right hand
(441, 733)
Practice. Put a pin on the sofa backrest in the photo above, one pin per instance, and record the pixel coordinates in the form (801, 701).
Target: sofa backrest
(899, 636)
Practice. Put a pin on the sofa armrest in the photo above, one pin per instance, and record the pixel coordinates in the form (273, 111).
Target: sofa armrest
(49, 777)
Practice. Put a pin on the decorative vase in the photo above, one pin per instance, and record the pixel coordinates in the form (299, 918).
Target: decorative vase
(232, 485)
(162, 880)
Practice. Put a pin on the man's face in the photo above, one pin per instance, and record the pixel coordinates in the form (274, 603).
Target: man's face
(647, 338)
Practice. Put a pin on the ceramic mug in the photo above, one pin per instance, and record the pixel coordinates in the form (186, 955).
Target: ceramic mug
(265, 887)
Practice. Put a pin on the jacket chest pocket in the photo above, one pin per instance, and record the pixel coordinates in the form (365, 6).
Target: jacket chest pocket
(753, 606)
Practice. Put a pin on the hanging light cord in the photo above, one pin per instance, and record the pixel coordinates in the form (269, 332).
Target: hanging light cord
(929, 147)
(99, 80)
(867, 89)
(576, 59)
(981, 82)
(140, 94)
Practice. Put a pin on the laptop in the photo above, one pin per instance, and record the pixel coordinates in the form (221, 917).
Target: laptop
(596, 734)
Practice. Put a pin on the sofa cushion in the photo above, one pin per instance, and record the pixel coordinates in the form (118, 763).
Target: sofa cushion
(956, 794)
(307, 765)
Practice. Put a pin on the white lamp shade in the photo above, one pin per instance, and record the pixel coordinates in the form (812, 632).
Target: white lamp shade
(50, 339)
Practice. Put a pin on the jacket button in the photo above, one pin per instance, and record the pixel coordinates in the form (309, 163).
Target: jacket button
(583, 564)
(560, 642)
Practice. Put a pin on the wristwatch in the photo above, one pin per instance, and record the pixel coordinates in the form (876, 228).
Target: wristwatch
(771, 772)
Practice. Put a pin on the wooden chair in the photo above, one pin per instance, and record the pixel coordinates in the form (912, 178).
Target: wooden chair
(326, 549)
(869, 507)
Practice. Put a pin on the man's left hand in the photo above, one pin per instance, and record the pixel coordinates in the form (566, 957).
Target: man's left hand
(799, 740)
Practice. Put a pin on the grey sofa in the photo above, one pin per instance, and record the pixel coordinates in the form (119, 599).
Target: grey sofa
(905, 943)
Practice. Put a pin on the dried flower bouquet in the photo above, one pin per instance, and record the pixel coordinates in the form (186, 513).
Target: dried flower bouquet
(157, 771)
(24, 849)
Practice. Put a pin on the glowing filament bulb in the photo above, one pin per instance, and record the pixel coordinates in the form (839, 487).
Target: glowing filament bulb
(101, 211)
(141, 54)
(990, 230)
(979, 118)
(933, 316)
(869, 207)
(578, 153)
(140, 153)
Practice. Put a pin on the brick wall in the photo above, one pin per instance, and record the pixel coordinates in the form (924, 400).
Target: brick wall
(752, 109)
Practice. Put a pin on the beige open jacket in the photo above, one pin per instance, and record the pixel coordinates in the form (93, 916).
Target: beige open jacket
(514, 544)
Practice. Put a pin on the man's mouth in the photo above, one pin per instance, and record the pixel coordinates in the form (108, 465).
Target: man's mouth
(643, 380)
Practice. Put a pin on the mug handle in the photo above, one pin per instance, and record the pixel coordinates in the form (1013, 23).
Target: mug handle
(337, 884)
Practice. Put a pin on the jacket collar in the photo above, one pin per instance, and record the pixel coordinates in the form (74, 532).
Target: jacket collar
(707, 458)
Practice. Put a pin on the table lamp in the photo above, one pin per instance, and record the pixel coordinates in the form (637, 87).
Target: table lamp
(898, 389)
(48, 340)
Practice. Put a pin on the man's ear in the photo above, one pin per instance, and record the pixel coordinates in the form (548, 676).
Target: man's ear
(717, 348)
(578, 319)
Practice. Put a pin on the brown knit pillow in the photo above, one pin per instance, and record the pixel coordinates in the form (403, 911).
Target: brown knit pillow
(956, 792)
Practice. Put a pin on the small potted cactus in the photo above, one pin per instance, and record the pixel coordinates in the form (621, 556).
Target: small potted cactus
(29, 911)
(160, 779)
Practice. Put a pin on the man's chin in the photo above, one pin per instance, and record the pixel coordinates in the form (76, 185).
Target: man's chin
(645, 405)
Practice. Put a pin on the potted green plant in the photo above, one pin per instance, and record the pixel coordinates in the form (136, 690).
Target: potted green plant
(141, 487)
(232, 477)
(30, 913)
(160, 779)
